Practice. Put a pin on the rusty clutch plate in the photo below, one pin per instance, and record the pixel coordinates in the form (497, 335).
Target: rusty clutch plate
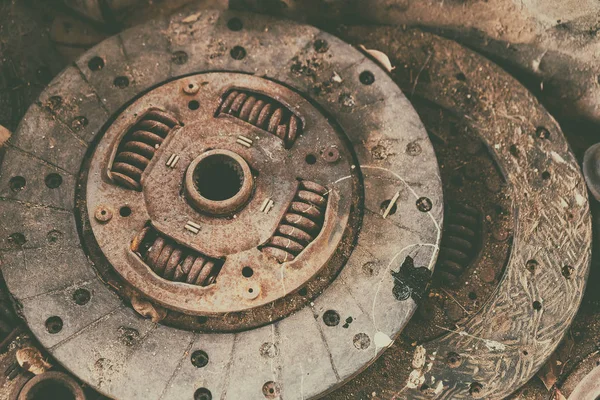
(225, 175)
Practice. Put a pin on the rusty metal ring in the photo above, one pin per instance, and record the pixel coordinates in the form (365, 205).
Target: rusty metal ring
(41, 383)
(225, 206)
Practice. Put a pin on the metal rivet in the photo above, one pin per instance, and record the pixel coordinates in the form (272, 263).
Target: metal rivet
(190, 88)
(251, 292)
(331, 154)
(424, 204)
(331, 318)
(103, 214)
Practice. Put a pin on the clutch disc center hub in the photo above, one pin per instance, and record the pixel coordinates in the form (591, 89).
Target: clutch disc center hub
(218, 182)
(223, 199)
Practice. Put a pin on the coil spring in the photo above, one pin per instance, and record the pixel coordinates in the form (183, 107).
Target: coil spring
(300, 225)
(175, 262)
(460, 241)
(263, 112)
(138, 147)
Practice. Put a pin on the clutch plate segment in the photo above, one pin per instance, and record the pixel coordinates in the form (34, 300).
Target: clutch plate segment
(119, 158)
(503, 344)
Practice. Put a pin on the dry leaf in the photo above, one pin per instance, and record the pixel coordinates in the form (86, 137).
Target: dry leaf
(4, 135)
(147, 309)
(549, 372)
(191, 18)
(30, 359)
(381, 58)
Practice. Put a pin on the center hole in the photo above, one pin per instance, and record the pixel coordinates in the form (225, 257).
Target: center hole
(50, 389)
(218, 177)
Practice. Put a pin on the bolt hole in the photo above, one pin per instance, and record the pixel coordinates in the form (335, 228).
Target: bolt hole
(531, 265)
(271, 390)
(361, 341)
(235, 24)
(121, 82)
(545, 175)
(53, 236)
(250, 290)
(53, 180)
(54, 325)
(17, 238)
(475, 388)
(238, 53)
(310, 159)
(125, 211)
(50, 388)
(82, 296)
(17, 183)
(199, 359)
(247, 272)
(542, 132)
(218, 177)
(202, 394)
(413, 149)
(331, 318)
(454, 360)
(54, 102)
(95, 63)
(537, 306)
(567, 271)
(321, 46)
(193, 105)
(472, 295)
(79, 123)
(179, 57)
(424, 204)
(366, 78)
(384, 206)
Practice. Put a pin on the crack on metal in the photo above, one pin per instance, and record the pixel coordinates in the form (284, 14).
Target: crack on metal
(186, 352)
(87, 327)
(55, 291)
(229, 368)
(27, 203)
(12, 146)
(333, 367)
(94, 91)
